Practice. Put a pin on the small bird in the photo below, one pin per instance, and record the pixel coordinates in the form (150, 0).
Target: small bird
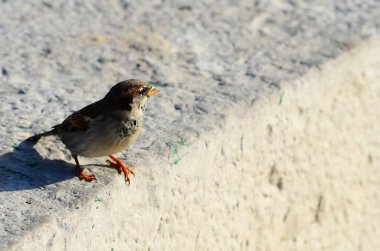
(106, 126)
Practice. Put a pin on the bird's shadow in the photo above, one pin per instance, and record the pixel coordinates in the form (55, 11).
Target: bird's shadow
(24, 168)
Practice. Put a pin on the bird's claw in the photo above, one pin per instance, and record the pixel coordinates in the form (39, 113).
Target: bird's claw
(128, 181)
(120, 167)
(83, 176)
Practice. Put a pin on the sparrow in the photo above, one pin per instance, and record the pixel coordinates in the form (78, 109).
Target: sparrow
(105, 127)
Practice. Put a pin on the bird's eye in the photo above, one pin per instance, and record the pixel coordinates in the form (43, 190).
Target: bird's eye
(144, 90)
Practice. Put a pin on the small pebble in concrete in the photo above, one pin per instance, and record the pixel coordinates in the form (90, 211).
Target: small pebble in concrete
(101, 60)
(4, 71)
(178, 107)
(185, 7)
(21, 91)
(46, 51)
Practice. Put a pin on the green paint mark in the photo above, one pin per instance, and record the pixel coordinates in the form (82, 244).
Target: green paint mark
(76, 207)
(101, 60)
(174, 151)
(158, 84)
(176, 161)
(24, 127)
(15, 146)
(98, 199)
(93, 225)
(112, 249)
(174, 157)
(281, 98)
(181, 142)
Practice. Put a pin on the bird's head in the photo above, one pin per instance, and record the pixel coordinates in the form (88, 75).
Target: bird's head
(130, 94)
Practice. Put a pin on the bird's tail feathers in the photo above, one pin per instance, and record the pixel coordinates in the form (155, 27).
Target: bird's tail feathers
(37, 137)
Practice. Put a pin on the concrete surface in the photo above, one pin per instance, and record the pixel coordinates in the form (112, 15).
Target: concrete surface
(265, 135)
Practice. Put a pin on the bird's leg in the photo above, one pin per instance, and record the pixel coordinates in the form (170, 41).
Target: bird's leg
(80, 173)
(121, 167)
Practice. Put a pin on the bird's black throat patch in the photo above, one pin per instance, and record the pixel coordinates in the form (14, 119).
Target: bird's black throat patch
(129, 128)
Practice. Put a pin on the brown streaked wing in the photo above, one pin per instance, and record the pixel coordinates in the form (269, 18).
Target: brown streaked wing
(80, 120)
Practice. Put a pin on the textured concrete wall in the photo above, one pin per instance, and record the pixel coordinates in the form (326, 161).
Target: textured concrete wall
(265, 135)
(298, 170)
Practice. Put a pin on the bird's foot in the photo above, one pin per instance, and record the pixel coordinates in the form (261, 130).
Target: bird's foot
(115, 166)
(121, 167)
(83, 176)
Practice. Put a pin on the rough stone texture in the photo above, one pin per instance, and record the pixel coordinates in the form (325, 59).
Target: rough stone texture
(265, 135)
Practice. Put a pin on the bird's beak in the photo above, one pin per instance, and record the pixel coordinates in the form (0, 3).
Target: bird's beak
(152, 91)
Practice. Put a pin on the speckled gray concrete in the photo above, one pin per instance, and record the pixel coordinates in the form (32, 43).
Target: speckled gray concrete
(212, 58)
